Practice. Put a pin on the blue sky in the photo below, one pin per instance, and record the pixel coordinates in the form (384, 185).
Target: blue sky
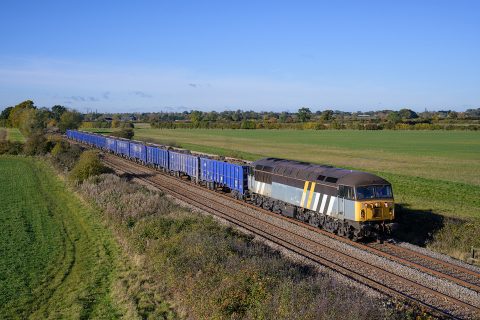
(122, 56)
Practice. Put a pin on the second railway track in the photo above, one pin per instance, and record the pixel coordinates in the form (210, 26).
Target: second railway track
(455, 296)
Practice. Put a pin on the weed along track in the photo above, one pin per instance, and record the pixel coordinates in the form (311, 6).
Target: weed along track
(440, 287)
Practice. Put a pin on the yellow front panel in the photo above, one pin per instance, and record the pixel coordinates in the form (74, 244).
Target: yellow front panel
(374, 210)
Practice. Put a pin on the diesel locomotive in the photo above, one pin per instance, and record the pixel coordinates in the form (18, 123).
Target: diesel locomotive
(349, 203)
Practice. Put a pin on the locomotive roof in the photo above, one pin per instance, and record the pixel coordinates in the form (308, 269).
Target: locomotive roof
(317, 172)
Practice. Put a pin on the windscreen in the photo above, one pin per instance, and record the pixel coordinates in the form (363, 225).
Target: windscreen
(374, 192)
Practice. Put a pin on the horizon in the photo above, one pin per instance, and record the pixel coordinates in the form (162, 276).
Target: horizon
(174, 57)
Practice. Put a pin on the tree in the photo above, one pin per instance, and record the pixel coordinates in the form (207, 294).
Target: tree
(70, 120)
(304, 114)
(327, 115)
(126, 133)
(394, 117)
(407, 114)
(4, 116)
(15, 116)
(196, 117)
(5, 113)
(32, 121)
(57, 111)
(452, 115)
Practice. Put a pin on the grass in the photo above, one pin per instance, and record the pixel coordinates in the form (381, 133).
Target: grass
(57, 261)
(209, 271)
(13, 134)
(436, 171)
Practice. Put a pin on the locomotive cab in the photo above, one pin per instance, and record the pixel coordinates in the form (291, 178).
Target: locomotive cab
(374, 203)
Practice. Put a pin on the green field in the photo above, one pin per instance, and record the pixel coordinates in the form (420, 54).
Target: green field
(13, 134)
(56, 259)
(436, 171)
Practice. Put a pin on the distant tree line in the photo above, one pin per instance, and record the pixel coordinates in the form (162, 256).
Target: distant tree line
(31, 120)
(304, 118)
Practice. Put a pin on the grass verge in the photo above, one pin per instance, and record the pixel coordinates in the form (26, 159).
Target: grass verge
(208, 271)
(57, 260)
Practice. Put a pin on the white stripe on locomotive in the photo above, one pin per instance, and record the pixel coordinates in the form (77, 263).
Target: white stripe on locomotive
(330, 205)
(315, 203)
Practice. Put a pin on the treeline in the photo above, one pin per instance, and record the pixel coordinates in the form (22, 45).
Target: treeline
(37, 126)
(31, 120)
(335, 125)
(303, 119)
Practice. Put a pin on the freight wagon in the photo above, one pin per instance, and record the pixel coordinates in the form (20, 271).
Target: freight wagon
(157, 157)
(138, 152)
(184, 164)
(123, 148)
(226, 175)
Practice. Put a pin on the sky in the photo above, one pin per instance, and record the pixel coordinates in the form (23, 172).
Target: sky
(142, 56)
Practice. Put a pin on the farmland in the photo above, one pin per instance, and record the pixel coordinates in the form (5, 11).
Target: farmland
(57, 261)
(13, 134)
(434, 171)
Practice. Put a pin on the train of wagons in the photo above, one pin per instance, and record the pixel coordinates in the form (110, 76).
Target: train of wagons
(353, 204)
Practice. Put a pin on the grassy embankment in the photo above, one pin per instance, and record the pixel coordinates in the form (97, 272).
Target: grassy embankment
(435, 174)
(56, 259)
(209, 271)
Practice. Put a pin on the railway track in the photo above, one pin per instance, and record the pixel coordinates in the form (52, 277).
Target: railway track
(372, 265)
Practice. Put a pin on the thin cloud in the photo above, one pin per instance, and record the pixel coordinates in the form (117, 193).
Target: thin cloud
(83, 98)
(141, 94)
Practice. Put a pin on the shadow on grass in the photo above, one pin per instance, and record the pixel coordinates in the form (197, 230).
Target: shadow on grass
(416, 226)
(129, 176)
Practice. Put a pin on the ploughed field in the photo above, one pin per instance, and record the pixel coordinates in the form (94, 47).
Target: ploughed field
(436, 171)
(56, 259)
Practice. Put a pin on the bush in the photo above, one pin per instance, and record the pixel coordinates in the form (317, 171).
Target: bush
(65, 155)
(126, 133)
(88, 165)
(8, 147)
(38, 144)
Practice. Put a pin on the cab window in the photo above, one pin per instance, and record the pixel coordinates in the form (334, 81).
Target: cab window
(374, 192)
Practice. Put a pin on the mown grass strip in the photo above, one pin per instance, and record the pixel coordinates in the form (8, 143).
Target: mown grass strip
(15, 135)
(57, 259)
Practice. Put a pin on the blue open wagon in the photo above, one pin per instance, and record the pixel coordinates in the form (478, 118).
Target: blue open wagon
(157, 157)
(111, 144)
(138, 151)
(184, 163)
(224, 174)
(123, 148)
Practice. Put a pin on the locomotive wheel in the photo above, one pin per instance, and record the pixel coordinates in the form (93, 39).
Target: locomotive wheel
(321, 221)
